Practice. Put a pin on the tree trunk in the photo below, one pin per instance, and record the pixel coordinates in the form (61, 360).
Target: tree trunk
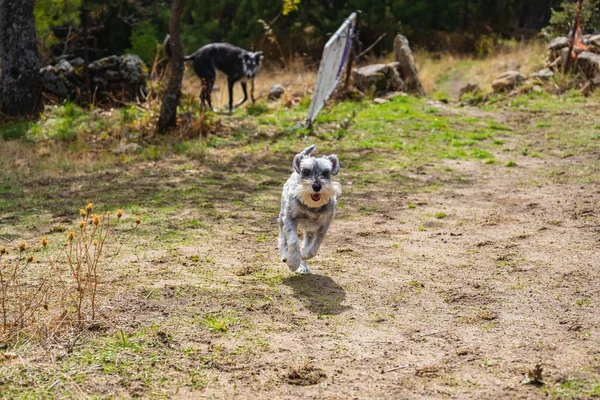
(20, 89)
(168, 109)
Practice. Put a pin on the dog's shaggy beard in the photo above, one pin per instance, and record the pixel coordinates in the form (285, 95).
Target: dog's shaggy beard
(304, 193)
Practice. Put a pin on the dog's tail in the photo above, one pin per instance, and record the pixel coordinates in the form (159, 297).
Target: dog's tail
(307, 151)
(167, 46)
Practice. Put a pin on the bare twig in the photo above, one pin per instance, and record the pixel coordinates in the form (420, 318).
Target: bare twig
(395, 369)
(371, 46)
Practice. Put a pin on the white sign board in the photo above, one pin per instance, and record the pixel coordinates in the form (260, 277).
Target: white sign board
(335, 56)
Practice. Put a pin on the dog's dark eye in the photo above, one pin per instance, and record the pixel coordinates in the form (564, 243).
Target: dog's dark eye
(305, 172)
(326, 174)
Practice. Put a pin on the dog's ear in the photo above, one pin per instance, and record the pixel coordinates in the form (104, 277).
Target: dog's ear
(335, 163)
(259, 54)
(297, 161)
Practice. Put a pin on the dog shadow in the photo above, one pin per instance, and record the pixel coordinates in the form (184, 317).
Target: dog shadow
(320, 293)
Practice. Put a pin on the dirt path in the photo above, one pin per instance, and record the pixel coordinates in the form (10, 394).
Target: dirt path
(454, 288)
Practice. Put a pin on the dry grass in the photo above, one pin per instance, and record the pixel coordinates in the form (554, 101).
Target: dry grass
(445, 74)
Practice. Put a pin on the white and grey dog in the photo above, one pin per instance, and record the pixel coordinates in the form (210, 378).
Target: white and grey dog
(307, 203)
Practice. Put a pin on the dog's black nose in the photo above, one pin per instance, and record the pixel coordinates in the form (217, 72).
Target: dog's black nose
(316, 187)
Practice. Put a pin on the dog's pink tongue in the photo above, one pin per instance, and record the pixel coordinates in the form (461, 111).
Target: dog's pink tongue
(315, 196)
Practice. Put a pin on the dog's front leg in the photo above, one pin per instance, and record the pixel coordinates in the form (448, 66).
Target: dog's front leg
(245, 90)
(252, 91)
(293, 248)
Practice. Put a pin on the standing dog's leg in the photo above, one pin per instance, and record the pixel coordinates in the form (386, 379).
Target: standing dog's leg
(290, 228)
(245, 90)
(211, 83)
(230, 83)
(252, 91)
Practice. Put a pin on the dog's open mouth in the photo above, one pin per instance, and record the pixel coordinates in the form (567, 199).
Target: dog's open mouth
(315, 196)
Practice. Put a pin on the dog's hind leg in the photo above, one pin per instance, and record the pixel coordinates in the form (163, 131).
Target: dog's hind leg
(313, 246)
(245, 90)
(211, 83)
(308, 239)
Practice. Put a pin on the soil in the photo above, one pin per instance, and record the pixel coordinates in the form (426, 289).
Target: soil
(403, 302)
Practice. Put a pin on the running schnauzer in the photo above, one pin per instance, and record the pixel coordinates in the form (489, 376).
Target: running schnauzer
(307, 203)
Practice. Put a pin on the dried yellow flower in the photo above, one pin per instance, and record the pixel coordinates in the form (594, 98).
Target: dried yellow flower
(30, 258)
(22, 247)
(96, 219)
(119, 213)
(82, 213)
(95, 243)
(4, 266)
(89, 207)
(44, 242)
(71, 236)
(81, 224)
(3, 251)
(138, 221)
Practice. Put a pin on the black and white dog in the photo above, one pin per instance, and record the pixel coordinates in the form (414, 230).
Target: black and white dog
(235, 62)
(308, 204)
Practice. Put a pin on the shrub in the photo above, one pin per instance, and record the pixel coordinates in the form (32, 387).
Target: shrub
(64, 290)
(561, 21)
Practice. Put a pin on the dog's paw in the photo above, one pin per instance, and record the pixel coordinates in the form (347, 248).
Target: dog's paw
(303, 268)
(293, 261)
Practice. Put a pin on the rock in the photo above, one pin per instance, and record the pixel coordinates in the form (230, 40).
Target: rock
(378, 78)
(64, 68)
(469, 88)
(275, 92)
(543, 74)
(133, 69)
(110, 62)
(77, 62)
(124, 148)
(114, 77)
(594, 40)
(506, 81)
(379, 100)
(589, 63)
(57, 80)
(558, 43)
(407, 68)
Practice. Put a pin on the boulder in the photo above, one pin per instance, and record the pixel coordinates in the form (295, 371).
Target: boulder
(543, 74)
(507, 81)
(59, 80)
(275, 92)
(406, 66)
(558, 43)
(77, 62)
(589, 64)
(378, 78)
